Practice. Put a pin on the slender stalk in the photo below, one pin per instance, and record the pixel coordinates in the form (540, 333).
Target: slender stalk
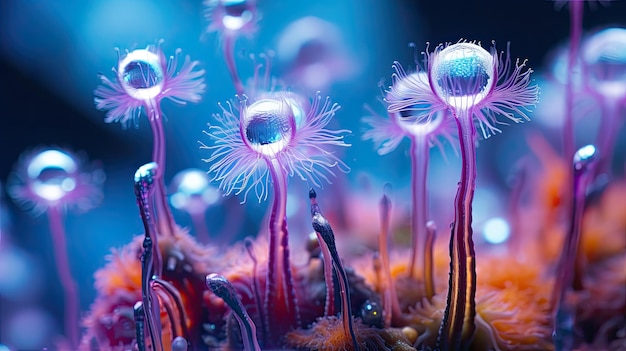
(607, 134)
(158, 155)
(458, 325)
(583, 170)
(149, 298)
(576, 18)
(280, 304)
(255, 286)
(229, 56)
(329, 307)
(429, 274)
(55, 220)
(419, 198)
(391, 306)
(327, 242)
(200, 227)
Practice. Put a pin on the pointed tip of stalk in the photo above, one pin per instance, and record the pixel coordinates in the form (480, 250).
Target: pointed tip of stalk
(312, 194)
(584, 158)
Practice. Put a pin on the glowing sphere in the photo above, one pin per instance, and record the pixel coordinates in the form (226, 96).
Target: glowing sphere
(604, 56)
(496, 230)
(141, 74)
(192, 191)
(462, 74)
(52, 175)
(410, 119)
(232, 15)
(268, 125)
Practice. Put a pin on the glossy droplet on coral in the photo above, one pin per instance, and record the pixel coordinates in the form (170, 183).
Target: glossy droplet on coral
(584, 157)
(412, 119)
(193, 192)
(604, 55)
(372, 313)
(141, 74)
(52, 174)
(268, 125)
(462, 74)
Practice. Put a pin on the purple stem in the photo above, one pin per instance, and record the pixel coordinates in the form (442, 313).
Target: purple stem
(158, 156)
(200, 227)
(583, 170)
(576, 18)
(255, 286)
(329, 307)
(55, 219)
(390, 298)
(229, 56)
(429, 276)
(279, 268)
(419, 197)
(458, 325)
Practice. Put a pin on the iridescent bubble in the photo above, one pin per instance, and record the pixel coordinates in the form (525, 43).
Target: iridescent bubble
(141, 74)
(237, 13)
(193, 192)
(604, 55)
(462, 74)
(268, 125)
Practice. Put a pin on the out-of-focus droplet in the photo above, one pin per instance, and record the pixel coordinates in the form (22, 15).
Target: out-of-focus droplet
(192, 191)
(496, 230)
(30, 329)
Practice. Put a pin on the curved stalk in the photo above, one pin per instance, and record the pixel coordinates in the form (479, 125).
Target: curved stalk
(158, 155)
(55, 219)
(391, 306)
(229, 56)
(458, 325)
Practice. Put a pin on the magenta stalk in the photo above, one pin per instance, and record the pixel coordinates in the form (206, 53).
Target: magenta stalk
(419, 198)
(458, 325)
(158, 156)
(576, 18)
(278, 302)
(229, 56)
(55, 219)
(391, 306)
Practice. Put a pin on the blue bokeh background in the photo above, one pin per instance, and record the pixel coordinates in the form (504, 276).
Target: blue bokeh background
(51, 52)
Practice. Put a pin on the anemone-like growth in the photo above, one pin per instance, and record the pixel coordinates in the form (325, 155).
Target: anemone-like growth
(273, 138)
(473, 85)
(50, 180)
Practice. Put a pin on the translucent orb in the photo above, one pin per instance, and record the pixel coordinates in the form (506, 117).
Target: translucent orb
(237, 13)
(192, 191)
(410, 119)
(52, 175)
(496, 230)
(372, 313)
(463, 74)
(268, 125)
(585, 156)
(604, 55)
(141, 74)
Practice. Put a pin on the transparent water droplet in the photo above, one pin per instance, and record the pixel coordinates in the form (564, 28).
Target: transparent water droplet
(604, 55)
(141, 74)
(463, 74)
(268, 125)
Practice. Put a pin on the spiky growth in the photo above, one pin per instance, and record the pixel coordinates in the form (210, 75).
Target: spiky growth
(143, 78)
(240, 165)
